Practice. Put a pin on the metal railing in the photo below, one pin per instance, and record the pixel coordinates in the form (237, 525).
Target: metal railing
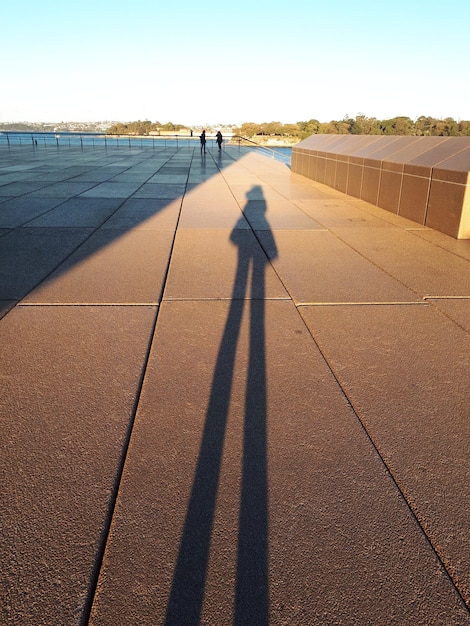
(70, 139)
(48, 139)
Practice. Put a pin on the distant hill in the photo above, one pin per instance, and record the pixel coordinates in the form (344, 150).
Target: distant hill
(51, 127)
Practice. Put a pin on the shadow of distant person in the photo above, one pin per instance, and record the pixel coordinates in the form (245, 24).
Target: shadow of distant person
(251, 587)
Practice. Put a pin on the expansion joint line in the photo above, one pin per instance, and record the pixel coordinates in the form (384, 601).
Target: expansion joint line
(104, 536)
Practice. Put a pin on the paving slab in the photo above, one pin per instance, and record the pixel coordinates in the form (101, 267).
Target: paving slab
(69, 384)
(173, 168)
(332, 212)
(101, 175)
(208, 263)
(457, 309)
(20, 210)
(21, 188)
(297, 187)
(160, 190)
(318, 267)
(276, 214)
(249, 477)
(460, 247)
(14, 177)
(64, 189)
(18, 167)
(146, 214)
(112, 190)
(161, 177)
(239, 179)
(210, 204)
(71, 171)
(113, 267)
(131, 176)
(202, 169)
(112, 169)
(424, 268)
(56, 175)
(79, 212)
(412, 395)
(259, 190)
(29, 255)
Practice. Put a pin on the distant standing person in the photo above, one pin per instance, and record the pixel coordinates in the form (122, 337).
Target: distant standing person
(202, 137)
(219, 139)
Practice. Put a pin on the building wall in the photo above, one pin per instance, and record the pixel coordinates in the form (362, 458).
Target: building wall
(424, 179)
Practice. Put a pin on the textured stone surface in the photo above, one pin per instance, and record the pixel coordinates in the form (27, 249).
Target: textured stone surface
(250, 477)
(412, 396)
(29, 255)
(112, 266)
(204, 265)
(296, 361)
(319, 267)
(69, 378)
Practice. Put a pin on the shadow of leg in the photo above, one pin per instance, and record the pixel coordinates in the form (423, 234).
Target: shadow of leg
(252, 590)
(187, 591)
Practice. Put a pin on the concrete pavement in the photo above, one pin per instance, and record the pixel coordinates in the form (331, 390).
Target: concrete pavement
(230, 395)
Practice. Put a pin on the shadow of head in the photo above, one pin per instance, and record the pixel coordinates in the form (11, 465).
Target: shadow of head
(255, 194)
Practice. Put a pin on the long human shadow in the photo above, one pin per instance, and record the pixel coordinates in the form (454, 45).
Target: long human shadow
(48, 252)
(251, 586)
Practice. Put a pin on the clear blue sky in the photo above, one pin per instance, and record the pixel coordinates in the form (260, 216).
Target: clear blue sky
(217, 62)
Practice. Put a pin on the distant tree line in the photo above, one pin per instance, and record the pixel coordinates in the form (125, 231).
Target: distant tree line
(360, 125)
(269, 129)
(142, 128)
